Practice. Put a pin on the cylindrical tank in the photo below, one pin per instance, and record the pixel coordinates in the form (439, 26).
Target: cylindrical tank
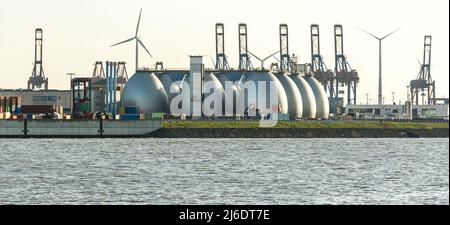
(215, 87)
(223, 78)
(252, 98)
(307, 94)
(293, 95)
(322, 104)
(168, 82)
(231, 96)
(146, 92)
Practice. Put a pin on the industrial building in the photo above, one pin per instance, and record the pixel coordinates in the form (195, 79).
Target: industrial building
(423, 86)
(398, 111)
(39, 97)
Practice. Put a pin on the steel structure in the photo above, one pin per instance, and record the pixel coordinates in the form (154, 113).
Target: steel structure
(81, 96)
(122, 75)
(37, 78)
(159, 66)
(99, 72)
(424, 83)
(106, 81)
(319, 69)
(221, 59)
(112, 71)
(344, 74)
(244, 59)
(285, 59)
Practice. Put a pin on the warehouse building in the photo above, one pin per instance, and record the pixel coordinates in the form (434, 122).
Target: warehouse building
(38, 97)
(398, 111)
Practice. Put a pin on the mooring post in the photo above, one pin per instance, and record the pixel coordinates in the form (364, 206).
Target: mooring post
(100, 131)
(25, 127)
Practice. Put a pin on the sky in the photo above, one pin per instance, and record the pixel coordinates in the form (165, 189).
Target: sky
(77, 33)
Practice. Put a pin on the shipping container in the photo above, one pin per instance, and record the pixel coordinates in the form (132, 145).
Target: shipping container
(84, 107)
(157, 116)
(130, 117)
(131, 110)
(37, 109)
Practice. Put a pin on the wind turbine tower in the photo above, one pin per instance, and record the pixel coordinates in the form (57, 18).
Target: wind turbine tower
(380, 84)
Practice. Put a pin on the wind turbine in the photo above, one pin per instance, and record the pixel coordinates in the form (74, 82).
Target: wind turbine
(262, 60)
(138, 41)
(380, 85)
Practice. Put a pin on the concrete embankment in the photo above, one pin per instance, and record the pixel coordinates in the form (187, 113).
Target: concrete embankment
(300, 133)
(148, 128)
(77, 128)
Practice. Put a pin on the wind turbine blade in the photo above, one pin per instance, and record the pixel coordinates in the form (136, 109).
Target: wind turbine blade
(418, 61)
(276, 58)
(140, 42)
(240, 80)
(123, 41)
(273, 55)
(212, 60)
(391, 33)
(369, 33)
(139, 20)
(254, 55)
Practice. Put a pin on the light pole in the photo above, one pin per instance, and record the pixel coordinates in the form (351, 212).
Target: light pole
(367, 98)
(393, 99)
(71, 103)
(407, 93)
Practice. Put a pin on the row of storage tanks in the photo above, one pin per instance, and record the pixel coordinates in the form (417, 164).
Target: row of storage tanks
(299, 96)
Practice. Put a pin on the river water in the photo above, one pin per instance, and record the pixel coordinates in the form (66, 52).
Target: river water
(224, 171)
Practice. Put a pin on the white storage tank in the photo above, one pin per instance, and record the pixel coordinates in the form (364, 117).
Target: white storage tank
(307, 94)
(322, 104)
(295, 104)
(264, 107)
(229, 107)
(168, 82)
(215, 88)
